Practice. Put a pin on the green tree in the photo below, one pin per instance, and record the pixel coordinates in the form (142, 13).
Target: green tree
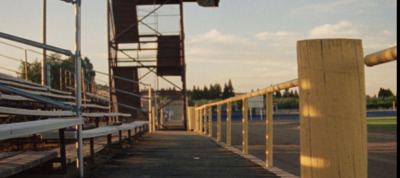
(56, 62)
(384, 93)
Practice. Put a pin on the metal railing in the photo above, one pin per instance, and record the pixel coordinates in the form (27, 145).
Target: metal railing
(329, 100)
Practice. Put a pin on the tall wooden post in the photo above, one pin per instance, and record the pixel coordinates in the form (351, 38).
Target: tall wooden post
(269, 130)
(228, 123)
(153, 117)
(210, 121)
(333, 134)
(200, 120)
(26, 65)
(205, 120)
(218, 123)
(245, 127)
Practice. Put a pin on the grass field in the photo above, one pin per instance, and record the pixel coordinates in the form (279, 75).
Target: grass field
(384, 123)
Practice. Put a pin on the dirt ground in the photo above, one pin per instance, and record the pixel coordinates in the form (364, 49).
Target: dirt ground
(382, 146)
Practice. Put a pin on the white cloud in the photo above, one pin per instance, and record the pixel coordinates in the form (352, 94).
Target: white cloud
(216, 36)
(341, 29)
(275, 35)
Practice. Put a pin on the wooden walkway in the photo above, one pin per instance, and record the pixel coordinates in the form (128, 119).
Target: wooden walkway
(178, 154)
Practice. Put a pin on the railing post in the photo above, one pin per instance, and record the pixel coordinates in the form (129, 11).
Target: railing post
(200, 120)
(269, 132)
(245, 127)
(150, 112)
(153, 117)
(218, 123)
(161, 116)
(333, 136)
(210, 121)
(228, 123)
(205, 121)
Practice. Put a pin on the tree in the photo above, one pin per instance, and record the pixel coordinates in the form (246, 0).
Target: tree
(278, 94)
(384, 93)
(33, 71)
(56, 62)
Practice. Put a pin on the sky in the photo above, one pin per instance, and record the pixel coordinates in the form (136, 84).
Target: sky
(251, 42)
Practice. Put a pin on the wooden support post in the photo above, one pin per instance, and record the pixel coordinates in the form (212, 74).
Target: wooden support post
(245, 127)
(333, 134)
(153, 117)
(200, 120)
(130, 136)
(92, 153)
(269, 130)
(109, 142)
(120, 138)
(210, 121)
(218, 123)
(162, 116)
(205, 121)
(228, 124)
(63, 155)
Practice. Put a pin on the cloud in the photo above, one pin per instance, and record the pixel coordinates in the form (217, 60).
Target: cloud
(215, 36)
(341, 29)
(275, 35)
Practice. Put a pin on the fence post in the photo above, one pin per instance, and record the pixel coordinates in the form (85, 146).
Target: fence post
(210, 121)
(150, 112)
(228, 123)
(269, 132)
(333, 134)
(245, 127)
(218, 123)
(200, 121)
(153, 117)
(204, 120)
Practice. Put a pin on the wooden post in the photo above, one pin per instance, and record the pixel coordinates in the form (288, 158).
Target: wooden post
(245, 127)
(196, 121)
(218, 123)
(205, 121)
(269, 130)
(210, 121)
(153, 117)
(150, 112)
(161, 116)
(333, 134)
(228, 123)
(201, 120)
(61, 88)
(26, 65)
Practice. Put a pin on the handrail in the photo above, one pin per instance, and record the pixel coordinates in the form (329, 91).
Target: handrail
(380, 57)
(36, 44)
(277, 87)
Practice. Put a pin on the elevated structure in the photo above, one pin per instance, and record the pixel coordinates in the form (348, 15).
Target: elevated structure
(138, 40)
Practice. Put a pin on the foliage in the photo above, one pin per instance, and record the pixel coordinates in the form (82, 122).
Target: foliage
(56, 62)
(384, 93)
(381, 102)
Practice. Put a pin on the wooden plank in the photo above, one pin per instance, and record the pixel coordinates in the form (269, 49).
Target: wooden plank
(22, 81)
(29, 112)
(100, 131)
(24, 160)
(20, 129)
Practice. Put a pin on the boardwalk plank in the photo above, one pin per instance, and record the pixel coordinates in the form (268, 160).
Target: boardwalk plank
(178, 154)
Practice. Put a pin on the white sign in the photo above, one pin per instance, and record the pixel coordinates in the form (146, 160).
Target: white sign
(256, 102)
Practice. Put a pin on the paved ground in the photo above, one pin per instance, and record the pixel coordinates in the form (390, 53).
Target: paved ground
(382, 146)
(178, 154)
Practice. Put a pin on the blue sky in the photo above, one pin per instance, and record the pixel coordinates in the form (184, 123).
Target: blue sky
(251, 42)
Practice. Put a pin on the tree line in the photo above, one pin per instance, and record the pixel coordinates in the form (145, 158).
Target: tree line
(213, 92)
